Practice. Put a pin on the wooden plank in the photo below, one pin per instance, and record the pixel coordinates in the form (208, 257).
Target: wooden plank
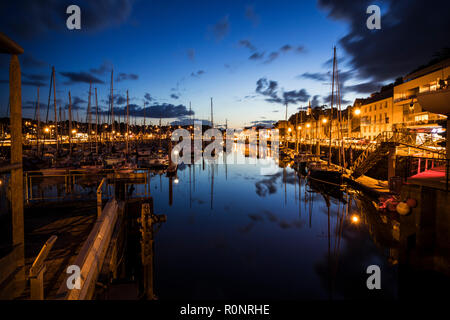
(91, 256)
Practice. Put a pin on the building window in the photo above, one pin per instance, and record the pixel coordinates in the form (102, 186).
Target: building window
(370, 108)
(375, 107)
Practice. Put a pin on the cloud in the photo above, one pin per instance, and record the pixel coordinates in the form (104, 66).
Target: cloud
(221, 28)
(126, 76)
(295, 96)
(174, 96)
(252, 16)
(269, 89)
(105, 68)
(80, 77)
(365, 87)
(417, 27)
(191, 54)
(318, 76)
(315, 102)
(257, 56)
(263, 123)
(29, 61)
(30, 83)
(32, 18)
(286, 48)
(272, 57)
(148, 97)
(188, 121)
(157, 111)
(246, 44)
(197, 74)
(76, 103)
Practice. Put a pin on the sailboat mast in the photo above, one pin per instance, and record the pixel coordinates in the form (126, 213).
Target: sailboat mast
(112, 104)
(332, 101)
(70, 125)
(96, 122)
(128, 117)
(56, 116)
(38, 118)
(212, 116)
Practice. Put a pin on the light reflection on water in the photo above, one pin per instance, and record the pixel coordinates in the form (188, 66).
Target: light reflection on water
(255, 230)
(232, 232)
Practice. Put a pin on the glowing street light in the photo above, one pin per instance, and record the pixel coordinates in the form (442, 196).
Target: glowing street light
(357, 112)
(289, 129)
(308, 125)
(355, 219)
(74, 131)
(47, 129)
(324, 120)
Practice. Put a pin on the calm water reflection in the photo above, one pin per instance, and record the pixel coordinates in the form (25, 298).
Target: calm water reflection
(236, 231)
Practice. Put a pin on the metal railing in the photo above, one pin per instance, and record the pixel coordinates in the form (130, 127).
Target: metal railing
(73, 178)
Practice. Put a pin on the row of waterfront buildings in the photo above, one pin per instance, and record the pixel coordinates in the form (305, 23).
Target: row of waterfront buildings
(405, 104)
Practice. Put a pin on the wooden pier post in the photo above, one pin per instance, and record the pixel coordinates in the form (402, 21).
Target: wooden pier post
(391, 163)
(15, 101)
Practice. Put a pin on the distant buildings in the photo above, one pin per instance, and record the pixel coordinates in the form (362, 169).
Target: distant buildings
(397, 106)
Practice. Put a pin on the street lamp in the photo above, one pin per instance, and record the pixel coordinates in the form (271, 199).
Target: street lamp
(357, 112)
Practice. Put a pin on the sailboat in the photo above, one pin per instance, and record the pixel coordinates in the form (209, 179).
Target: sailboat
(320, 170)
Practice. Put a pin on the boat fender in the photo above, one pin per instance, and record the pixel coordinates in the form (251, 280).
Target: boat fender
(412, 203)
(403, 208)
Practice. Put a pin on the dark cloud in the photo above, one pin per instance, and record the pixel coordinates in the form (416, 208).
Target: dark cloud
(251, 15)
(34, 77)
(32, 18)
(257, 56)
(191, 54)
(188, 121)
(295, 96)
(174, 96)
(76, 103)
(246, 44)
(164, 110)
(105, 68)
(286, 48)
(327, 76)
(269, 89)
(80, 77)
(318, 76)
(29, 61)
(272, 57)
(197, 74)
(221, 28)
(300, 49)
(411, 31)
(126, 76)
(365, 87)
(148, 97)
(263, 123)
(315, 102)
(32, 105)
(31, 83)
